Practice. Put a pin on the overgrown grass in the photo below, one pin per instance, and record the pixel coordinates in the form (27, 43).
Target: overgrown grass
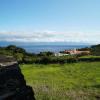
(77, 81)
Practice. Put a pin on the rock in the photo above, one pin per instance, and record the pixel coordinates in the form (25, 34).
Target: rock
(12, 83)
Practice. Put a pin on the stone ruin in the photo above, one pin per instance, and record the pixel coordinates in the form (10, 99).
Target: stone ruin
(12, 83)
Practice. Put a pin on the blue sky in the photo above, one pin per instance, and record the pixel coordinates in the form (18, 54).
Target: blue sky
(50, 20)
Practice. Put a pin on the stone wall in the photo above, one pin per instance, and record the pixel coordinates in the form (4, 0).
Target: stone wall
(12, 84)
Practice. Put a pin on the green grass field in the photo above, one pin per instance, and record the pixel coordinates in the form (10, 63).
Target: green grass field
(77, 81)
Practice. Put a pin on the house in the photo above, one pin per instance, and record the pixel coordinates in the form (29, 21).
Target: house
(75, 52)
(72, 52)
(61, 54)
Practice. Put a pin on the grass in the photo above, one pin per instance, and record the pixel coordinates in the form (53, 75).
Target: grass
(90, 56)
(77, 81)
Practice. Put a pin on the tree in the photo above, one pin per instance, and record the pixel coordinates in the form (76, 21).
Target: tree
(48, 53)
(15, 49)
(95, 50)
(19, 57)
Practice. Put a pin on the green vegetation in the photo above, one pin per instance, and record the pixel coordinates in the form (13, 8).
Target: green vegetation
(95, 50)
(71, 77)
(75, 81)
(48, 57)
(90, 56)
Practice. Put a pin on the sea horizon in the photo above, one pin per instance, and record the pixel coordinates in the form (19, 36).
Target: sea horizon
(44, 46)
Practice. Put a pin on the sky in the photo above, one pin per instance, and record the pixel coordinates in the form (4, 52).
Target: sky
(50, 21)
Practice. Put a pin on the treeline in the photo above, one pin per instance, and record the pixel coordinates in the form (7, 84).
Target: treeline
(22, 56)
(42, 58)
(48, 57)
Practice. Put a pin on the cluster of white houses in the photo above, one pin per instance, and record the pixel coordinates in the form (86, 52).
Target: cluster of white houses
(71, 52)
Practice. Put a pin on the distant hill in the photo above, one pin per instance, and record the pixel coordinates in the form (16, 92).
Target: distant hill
(95, 50)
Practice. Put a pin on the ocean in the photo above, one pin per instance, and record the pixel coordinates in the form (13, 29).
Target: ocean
(41, 47)
(52, 48)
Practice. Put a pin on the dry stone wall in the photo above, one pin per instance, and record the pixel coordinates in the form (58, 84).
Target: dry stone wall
(12, 83)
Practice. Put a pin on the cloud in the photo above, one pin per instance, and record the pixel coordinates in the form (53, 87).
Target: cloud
(50, 36)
